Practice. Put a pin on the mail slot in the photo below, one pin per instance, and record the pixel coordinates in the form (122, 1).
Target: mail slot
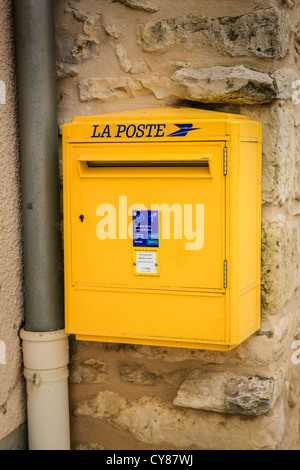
(162, 227)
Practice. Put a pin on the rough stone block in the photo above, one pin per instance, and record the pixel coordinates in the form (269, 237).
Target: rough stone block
(138, 66)
(224, 84)
(297, 37)
(293, 386)
(279, 176)
(284, 79)
(87, 371)
(289, 3)
(264, 33)
(113, 30)
(146, 5)
(121, 54)
(252, 395)
(279, 263)
(136, 373)
(225, 393)
(110, 87)
(66, 70)
(91, 22)
(76, 49)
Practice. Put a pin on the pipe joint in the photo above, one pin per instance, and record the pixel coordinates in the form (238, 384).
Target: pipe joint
(46, 376)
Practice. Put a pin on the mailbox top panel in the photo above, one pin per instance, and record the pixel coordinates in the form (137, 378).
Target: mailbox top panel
(159, 124)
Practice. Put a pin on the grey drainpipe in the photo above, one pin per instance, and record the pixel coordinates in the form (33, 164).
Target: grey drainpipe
(45, 344)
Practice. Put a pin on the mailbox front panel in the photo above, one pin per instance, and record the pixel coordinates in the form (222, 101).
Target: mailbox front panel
(190, 203)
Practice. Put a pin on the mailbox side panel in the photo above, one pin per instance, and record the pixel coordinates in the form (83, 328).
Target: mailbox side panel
(243, 215)
(232, 230)
(249, 231)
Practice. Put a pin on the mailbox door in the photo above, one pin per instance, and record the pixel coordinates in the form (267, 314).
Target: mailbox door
(184, 182)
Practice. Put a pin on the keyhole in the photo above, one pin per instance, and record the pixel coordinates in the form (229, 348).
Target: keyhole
(81, 217)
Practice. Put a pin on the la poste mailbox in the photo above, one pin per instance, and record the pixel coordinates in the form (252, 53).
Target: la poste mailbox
(162, 227)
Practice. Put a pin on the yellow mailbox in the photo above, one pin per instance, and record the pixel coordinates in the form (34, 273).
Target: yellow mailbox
(162, 227)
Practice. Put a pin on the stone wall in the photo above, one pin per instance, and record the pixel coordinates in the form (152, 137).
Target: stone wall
(242, 57)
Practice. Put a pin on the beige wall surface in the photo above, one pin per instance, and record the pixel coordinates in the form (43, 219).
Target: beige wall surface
(12, 394)
(116, 55)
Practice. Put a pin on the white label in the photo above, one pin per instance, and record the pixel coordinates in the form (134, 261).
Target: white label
(145, 262)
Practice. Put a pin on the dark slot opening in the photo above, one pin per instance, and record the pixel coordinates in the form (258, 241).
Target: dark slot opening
(148, 163)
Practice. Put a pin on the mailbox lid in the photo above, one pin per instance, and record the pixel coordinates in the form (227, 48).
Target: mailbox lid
(193, 197)
(156, 124)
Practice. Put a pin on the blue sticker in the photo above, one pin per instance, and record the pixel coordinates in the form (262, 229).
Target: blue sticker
(145, 228)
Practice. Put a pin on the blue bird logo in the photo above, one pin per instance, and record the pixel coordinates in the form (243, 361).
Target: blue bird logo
(183, 130)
